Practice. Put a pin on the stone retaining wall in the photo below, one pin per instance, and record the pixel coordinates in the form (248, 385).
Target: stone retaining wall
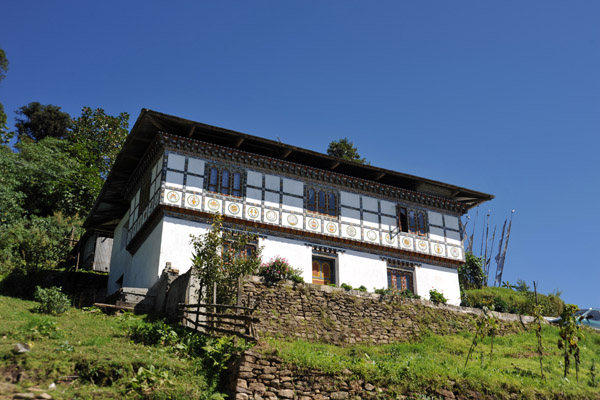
(333, 315)
(257, 376)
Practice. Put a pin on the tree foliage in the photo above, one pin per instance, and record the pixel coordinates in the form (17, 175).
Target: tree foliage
(97, 138)
(4, 137)
(470, 274)
(346, 150)
(38, 121)
(50, 181)
(220, 258)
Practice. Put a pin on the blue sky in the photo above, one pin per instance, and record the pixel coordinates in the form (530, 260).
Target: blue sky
(500, 97)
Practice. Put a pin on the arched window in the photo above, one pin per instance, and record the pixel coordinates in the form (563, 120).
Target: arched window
(213, 182)
(225, 182)
(237, 185)
(311, 202)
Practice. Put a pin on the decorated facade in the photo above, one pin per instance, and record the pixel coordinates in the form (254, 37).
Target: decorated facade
(335, 220)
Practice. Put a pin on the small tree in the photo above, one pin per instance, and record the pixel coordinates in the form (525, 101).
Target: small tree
(345, 149)
(470, 274)
(222, 258)
(570, 335)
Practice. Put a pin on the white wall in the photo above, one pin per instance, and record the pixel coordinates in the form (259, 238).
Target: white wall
(120, 259)
(175, 245)
(144, 264)
(297, 253)
(444, 280)
(358, 269)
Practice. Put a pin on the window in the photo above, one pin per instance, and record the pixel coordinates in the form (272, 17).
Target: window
(400, 280)
(323, 271)
(321, 201)
(144, 196)
(225, 181)
(412, 221)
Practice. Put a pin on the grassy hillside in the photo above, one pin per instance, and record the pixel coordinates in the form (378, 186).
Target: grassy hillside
(91, 355)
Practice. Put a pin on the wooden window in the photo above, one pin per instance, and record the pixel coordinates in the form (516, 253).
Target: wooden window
(322, 271)
(321, 201)
(144, 196)
(213, 180)
(225, 181)
(400, 280)
(412, 221)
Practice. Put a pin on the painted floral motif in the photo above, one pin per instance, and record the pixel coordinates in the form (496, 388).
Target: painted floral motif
(454, 252)
(313, 223)
(371, 235)
(173, 197)
(292, 220)
(193, 200)
(438, 249)
(213, 204)
(271, 216)
(331, 227)
(422, 245)
(253, 212)
(234, 208)
(406, 242)
(351, 231)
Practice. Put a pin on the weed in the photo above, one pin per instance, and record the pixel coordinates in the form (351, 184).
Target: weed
(51, 300)
(437, 297)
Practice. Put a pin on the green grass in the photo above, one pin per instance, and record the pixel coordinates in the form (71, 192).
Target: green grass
(96, 348)
(508, 300)
(437, 362)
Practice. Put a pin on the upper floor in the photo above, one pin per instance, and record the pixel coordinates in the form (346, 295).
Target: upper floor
(204, 170)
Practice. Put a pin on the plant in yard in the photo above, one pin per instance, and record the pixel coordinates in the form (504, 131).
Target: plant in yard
(570, 335)
(221, 258)
(437, 297)
(346, 287)
(51, 300)
(277, 269)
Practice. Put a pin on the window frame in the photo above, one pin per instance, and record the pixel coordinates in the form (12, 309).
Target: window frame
(402, 272)
(322, 201)
(412, 221)
(223, 180)
(320, 279)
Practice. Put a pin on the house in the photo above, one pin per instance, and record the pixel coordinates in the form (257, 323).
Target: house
(336, 220)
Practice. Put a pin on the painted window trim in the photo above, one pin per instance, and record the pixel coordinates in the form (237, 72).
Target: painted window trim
(230, 187)
(331, 211)
(420, 228)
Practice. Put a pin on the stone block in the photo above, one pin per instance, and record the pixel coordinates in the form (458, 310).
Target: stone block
(286, 394)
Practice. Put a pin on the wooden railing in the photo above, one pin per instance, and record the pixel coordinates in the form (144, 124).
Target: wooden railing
(223, 319)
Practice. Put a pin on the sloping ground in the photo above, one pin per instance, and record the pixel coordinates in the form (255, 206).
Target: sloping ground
(430, 367)
(87, 354)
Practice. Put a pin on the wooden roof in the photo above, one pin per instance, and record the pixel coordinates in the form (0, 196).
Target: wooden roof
(111, 204)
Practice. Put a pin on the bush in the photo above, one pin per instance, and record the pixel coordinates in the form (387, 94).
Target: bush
(52, 300)
(346, 287)
(362, 288)
(437, 297)
(516, 302)
(278, 269)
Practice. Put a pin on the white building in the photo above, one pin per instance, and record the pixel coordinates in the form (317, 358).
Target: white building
(336, 220)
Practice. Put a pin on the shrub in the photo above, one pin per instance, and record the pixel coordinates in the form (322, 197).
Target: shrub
(345, 286)
(278, 269)
(52, 300)
(362, 288)
(437, 297)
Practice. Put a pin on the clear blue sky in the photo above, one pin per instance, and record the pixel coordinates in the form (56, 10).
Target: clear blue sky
(500, 97)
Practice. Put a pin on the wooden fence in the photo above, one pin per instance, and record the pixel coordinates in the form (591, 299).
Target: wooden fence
(220, 319)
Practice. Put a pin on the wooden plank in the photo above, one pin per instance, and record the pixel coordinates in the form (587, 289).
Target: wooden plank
(225, 316)
(183, 305)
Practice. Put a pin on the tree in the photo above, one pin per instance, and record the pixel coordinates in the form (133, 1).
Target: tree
(470, 274)
(38, 121)
(221, 258)
(97, 138)
(4, 136)
(345, 149)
